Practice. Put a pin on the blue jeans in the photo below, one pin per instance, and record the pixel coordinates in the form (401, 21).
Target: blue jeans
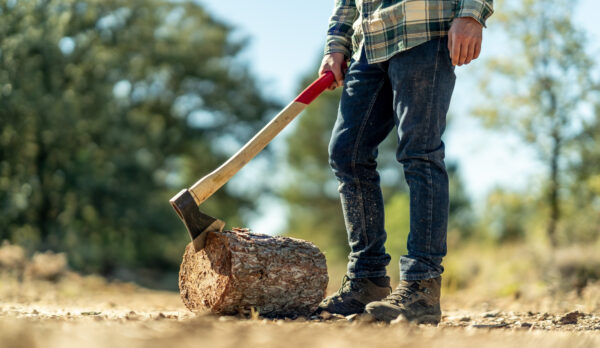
(411, 91)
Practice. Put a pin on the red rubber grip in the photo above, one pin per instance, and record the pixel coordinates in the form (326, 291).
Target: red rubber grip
(316, 88)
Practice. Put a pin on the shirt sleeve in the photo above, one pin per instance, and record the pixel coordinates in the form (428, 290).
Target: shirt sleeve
(480, 10)
(339, 34)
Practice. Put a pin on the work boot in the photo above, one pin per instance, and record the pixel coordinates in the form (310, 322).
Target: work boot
(355, 294)
(417, 301)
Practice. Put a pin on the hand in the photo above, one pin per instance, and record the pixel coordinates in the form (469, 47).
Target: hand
(464, 40)
(336, 63)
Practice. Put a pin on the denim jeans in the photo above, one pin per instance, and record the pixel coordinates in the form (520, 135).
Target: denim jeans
(412, 92)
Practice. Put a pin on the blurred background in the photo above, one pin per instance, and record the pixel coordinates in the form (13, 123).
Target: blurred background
(110, 107)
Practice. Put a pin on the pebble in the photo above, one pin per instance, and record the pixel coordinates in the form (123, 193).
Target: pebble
(491, 314)
(489, 326)
(571, 318)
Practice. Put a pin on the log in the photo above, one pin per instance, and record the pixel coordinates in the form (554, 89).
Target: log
(238, 270)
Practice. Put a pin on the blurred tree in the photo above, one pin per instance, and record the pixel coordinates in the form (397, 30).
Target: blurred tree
(507, 215)
(311, 193)
(539, 90)
(108, 108)
(462, 219)
(585, 183)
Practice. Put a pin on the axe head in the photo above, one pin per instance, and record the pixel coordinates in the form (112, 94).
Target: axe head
(197, 223)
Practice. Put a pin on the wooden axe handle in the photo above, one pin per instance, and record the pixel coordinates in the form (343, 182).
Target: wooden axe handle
(206, 186)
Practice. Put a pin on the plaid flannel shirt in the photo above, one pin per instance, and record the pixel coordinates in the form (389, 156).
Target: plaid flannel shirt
(386, 27)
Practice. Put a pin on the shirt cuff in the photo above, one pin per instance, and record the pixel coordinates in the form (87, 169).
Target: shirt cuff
(480, 10)
(334, 46)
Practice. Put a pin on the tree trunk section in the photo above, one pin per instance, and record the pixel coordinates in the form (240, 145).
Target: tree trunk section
(554, 189)
(238, 270)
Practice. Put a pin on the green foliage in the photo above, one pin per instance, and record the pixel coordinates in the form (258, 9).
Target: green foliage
(108, 108)
(538, 92)
(507, 215)
(462, 219)
(583, 208)
(397, 224)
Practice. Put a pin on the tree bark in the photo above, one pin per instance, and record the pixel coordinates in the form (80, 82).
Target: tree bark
(238, 270)
(554, 190)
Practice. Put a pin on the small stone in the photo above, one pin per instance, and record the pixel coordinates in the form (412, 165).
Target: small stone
(491, 314)
(488, 326)
(571, 318)
(545, 316)
(463, 318)
(525, 325)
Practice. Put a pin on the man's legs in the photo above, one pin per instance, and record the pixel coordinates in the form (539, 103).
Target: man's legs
(423, 80)
(365, 118)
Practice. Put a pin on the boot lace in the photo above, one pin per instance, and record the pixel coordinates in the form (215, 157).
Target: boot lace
(346, 286)
(403, 293)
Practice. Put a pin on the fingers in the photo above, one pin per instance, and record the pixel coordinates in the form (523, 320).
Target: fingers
(450, 41)
(325, 68)
(455, 51)
(463, 51)
(336, 63)
(477, 50)
(337, 72)
(464, 40)
(470, 52)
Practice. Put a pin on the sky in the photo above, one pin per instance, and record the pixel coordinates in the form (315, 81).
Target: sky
(286, 41)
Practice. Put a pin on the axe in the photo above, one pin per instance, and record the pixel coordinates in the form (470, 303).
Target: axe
(186, 202)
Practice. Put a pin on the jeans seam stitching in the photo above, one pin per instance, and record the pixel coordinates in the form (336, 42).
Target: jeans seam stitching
(429, 178)
(354, 157)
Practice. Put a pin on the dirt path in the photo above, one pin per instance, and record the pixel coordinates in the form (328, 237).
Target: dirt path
(87, 312)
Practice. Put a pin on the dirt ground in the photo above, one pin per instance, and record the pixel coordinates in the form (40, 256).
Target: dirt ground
(89, 312)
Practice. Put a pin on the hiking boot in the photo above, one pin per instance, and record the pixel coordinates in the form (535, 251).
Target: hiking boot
(354, 294)
(417, 301)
